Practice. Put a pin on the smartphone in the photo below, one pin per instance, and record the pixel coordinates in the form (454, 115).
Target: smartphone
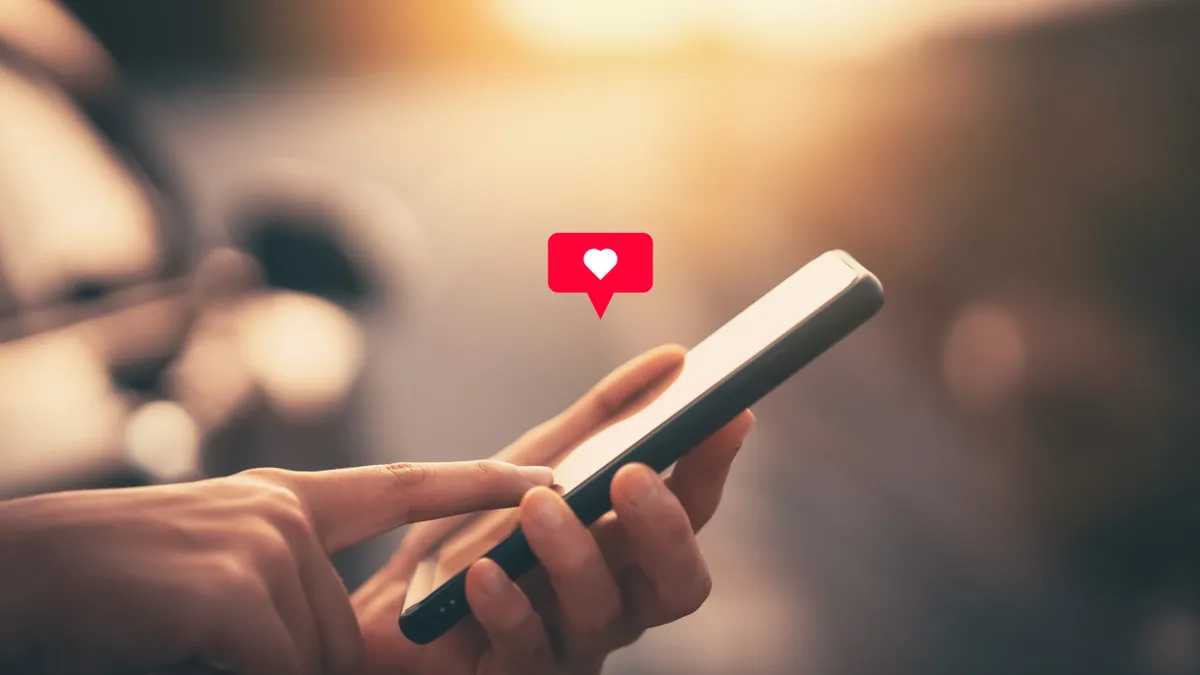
(727, 372)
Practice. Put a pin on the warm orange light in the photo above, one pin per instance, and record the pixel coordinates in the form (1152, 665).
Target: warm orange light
(751, 25)
(771, 26)
(784, 26)
(607, 25)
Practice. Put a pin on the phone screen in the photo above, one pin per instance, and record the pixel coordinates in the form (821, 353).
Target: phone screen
(705, 365)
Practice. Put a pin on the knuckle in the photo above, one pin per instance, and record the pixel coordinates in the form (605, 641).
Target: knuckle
(289, 517)
(606, 402)
(228, 586)
(626, 635)
(576, 560)
(693, 595)
(231, 576)
(704, 588)
(679, 535)
(407, 475)
(279, 502)
(613, 611)
(264, 475)
(595, 626)
(229, 570)
(536, 650)
(274, 550)
(271, 488)
(490, 468)
(264, 546)
(703, 512)
(572, 560)
(612, 403)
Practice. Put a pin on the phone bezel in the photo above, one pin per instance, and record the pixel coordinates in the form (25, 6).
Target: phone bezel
(446, 605)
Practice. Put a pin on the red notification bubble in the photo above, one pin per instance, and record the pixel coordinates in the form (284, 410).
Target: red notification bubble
(600, 264)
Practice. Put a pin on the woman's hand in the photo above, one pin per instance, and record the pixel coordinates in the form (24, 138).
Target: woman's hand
(597, 588)
(232, 572)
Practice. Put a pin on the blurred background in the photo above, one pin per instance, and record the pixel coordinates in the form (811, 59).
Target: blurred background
(248, 232)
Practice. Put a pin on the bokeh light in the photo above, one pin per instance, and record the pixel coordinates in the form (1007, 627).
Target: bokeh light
(984, 359)
(305, 353)
(163, 439)
(58, 410)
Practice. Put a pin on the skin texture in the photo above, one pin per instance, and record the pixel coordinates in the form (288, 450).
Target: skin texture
(233, 574)
(231, 571)
(599, 588)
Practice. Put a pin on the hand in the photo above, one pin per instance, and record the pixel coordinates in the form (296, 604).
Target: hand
(232, 572)
(597, 589)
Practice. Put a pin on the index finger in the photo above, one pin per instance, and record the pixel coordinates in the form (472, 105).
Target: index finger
(348, 506)
(603, 402)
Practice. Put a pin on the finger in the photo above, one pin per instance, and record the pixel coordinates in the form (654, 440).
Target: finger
(588, 598)
(518, 638)
(334, 619)
(698, 480)
(254, 642)
(291, 601)
(348, 506)
(604, 401)
(661, 541)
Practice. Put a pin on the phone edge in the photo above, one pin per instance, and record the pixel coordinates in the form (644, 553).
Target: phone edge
(774, 364)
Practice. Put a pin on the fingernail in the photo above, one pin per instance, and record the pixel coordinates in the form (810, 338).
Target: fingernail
(642, 486)
(538, 475)
(494, 581)
(546, 511)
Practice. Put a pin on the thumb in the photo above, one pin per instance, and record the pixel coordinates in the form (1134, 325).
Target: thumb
(600, 406)
(348, 506)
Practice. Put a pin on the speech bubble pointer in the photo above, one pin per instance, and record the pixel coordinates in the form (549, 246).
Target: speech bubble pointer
(600, 299)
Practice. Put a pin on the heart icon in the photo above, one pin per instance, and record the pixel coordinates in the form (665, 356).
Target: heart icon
(600, 262)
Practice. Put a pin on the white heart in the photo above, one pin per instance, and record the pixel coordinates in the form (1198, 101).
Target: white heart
(600, 262)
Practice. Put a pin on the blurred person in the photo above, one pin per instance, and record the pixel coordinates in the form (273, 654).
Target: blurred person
(93, 288)
(233, 572)
(173, 360)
